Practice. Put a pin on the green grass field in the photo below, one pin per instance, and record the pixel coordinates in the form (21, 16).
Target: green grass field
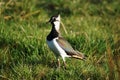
(93, 28)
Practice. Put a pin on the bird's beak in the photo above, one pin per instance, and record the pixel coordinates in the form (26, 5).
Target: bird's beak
(59, 15)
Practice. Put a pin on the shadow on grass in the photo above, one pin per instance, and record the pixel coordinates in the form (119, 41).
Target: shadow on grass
(54, 7)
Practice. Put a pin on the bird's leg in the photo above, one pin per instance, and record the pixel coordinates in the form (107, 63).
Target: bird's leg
(58, 61)
(64, 64)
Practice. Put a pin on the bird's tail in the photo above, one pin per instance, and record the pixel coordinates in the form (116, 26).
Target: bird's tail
(79, 55)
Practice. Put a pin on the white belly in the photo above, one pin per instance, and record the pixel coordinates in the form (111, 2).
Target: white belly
(54, 46)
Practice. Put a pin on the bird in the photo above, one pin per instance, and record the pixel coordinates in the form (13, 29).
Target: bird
(60, 46)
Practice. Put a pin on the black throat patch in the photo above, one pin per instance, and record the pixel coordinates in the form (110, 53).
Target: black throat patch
(53, 34)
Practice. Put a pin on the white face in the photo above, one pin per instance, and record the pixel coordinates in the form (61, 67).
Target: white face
(57, 23)
(58, 18)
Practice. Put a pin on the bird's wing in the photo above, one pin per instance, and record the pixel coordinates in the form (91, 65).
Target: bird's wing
(66, 46)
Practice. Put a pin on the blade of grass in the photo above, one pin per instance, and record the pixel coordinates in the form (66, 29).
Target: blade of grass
(110, 61)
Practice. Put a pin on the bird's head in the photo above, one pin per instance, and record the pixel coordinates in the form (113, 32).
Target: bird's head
(55, 18)
(55, 21)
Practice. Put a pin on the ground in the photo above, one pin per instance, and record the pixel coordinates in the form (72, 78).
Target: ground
(93, 27)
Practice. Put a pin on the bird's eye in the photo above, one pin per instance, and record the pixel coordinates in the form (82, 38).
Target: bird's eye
(53, 18)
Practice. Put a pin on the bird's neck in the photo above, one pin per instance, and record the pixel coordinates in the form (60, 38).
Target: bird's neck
(54, 32)
(56, 24)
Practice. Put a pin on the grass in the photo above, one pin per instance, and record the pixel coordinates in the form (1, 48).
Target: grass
(93, 28)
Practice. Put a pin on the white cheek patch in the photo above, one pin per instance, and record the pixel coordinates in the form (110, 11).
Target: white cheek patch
(57, 25)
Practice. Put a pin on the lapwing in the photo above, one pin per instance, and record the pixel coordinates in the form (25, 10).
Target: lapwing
(59, 45)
